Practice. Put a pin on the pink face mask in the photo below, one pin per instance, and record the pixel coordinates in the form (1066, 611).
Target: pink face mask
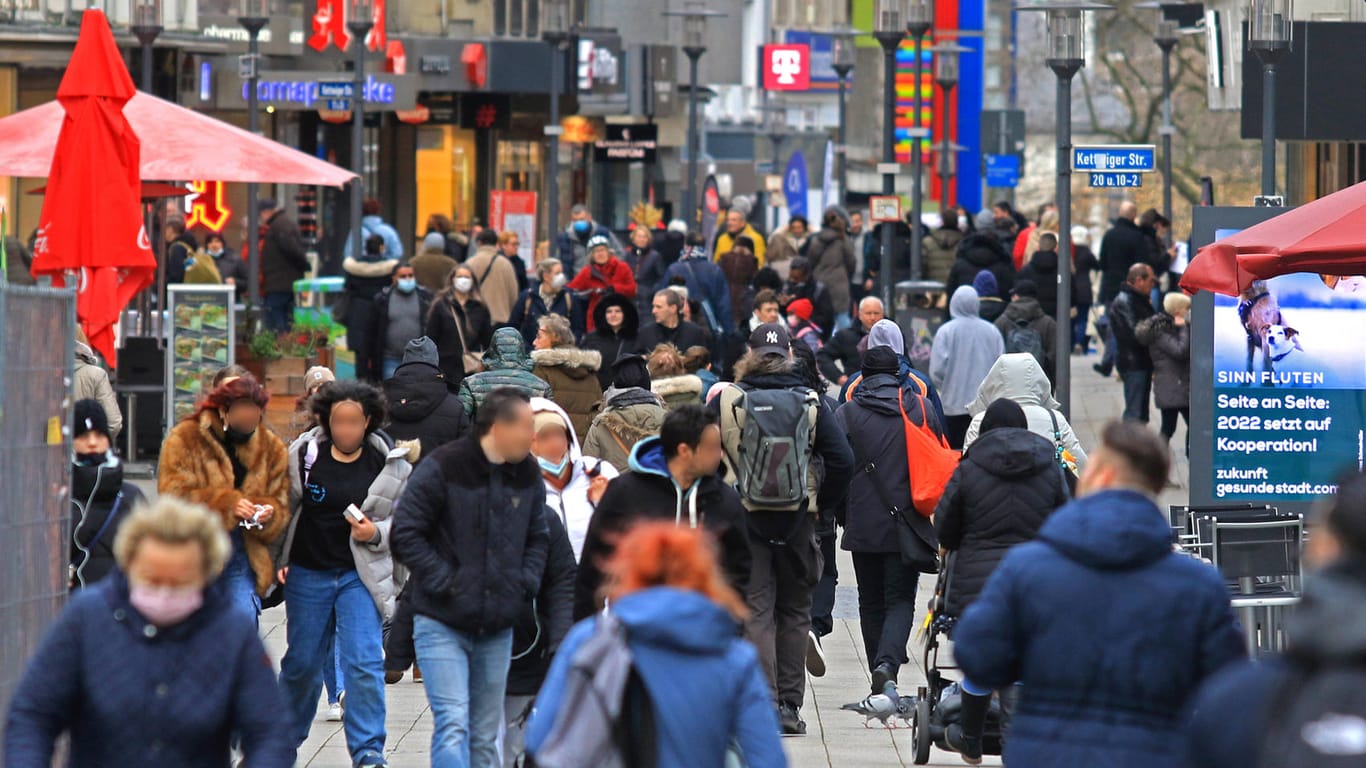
(165, 606)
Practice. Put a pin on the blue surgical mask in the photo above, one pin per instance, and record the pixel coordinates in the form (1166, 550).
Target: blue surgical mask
(581, 227)
(553, 468)
(407, 284)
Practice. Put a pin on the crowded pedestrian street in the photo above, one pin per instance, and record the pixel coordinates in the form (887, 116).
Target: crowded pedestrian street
(682, 384)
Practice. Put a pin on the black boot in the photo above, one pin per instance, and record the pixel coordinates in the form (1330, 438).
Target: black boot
(972, 719)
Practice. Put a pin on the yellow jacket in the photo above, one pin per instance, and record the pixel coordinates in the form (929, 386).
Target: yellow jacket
(724, 241)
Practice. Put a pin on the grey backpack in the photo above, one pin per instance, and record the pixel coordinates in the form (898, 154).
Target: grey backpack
(605, 717)
(1023, 338)
(769, 436)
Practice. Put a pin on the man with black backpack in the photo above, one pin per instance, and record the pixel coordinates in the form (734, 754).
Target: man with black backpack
(1027, 328)
(772, 426)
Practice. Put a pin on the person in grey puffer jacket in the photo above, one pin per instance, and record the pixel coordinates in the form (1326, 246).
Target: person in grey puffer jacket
(630, 413)
(91, 382)
(506, 364)
(1167, 337)
(831, 256)
(964, 350)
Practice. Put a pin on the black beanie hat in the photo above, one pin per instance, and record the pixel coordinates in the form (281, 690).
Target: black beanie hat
(89, 416)
(881, 360)
(1003, 413)
(630, 371)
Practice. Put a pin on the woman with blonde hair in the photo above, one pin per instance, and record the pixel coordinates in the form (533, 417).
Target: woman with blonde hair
(702, 682)
(1167, 337)
(154, 661)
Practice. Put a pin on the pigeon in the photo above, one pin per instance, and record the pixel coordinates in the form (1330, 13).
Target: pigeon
(905, 709)
(881, 706)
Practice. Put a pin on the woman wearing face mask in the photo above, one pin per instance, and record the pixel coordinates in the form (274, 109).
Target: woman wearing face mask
(547, 297)
(614, 336)
(100, 499)
(335, 564)
(231, 266)
(223, 457)
(460, 325)
(574, 483)
(154, 665)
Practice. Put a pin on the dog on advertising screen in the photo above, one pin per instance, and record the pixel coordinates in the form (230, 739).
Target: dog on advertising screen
(1346, 284)
(1281, 342)
(1258, 310)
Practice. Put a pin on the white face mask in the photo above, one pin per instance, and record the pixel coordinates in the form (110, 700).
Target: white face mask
(962, 223)
(558, 281)
(464, 284)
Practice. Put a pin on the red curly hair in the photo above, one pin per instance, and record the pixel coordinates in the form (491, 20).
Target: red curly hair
(667, 555)
(230, 391)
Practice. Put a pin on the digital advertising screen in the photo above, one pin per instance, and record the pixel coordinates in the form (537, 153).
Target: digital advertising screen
(1289, 387)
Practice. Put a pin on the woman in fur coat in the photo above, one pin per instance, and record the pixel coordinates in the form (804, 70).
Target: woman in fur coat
(224, 457)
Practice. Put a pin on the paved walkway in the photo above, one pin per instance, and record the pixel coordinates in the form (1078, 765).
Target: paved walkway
(835, 737)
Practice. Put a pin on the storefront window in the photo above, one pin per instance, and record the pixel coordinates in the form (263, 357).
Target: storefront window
(445, 174)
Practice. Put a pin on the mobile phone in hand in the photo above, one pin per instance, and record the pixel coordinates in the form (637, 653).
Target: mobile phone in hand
(352, 511)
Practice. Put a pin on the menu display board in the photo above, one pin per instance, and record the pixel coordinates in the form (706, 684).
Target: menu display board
(201, 340)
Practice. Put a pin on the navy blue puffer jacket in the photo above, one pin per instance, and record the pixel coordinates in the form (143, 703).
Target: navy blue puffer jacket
(1109, 630)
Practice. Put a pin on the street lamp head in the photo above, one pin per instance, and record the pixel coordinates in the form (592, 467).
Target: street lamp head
(1065, 29)
(919, 17)
(843, 51)
(1167, 35)
(946, 60)
(889, 17)
(361, 17)
(695, 14)
(1268, 27)
(146, 16)
(947, 161)
(554, 20)
(253, 9)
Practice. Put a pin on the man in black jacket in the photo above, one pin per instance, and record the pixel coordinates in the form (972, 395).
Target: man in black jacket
(873, 424)
(841, 358)
(471, 530)
(283, 260)
(1131, 307)
(1123, 246)
(787, 558)
(537, 635)
(672, 477)
(399, 314)
(669, 326)
(421, 406)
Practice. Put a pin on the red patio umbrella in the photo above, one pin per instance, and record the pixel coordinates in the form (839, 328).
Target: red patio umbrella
(151, 191)
(1327, 236)
(91, 225)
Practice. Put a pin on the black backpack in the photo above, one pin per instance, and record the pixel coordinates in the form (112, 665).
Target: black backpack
(1023, 338)
(1319, 720)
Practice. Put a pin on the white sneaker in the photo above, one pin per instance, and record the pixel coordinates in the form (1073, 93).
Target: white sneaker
(334, 713)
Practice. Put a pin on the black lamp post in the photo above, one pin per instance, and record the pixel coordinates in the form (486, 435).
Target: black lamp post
(842, 57)
(946, 59)
(1268, 35)
(694, 15)
(255, 16)
(889, 29)
(555, 26)
(1166, 39)
(919, 19)
(1066, 56)
(147, 28)
(359, 22)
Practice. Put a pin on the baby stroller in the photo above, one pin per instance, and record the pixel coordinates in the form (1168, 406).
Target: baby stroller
(938, 702)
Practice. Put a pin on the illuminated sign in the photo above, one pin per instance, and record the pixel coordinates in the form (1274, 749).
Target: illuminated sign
(787, 67)
(329, 26)
(206, 207)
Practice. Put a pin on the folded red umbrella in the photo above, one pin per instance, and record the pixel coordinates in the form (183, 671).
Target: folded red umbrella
(1327, 237)
(91, 226)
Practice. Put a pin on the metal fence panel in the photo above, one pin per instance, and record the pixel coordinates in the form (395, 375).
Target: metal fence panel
(36, 355)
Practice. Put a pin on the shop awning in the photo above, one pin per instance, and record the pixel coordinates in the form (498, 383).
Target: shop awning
(178, 144)
(1327, 236)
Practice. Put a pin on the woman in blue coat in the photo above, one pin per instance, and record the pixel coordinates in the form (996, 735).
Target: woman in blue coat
(682, 626)
(154, 665)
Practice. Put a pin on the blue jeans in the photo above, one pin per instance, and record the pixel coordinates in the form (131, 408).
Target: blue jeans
(240, 579)
(466, 678)
(1138, 387)
(321, 605)
(1079, 330)
(390, 366)
(332, 674)
(279, 310)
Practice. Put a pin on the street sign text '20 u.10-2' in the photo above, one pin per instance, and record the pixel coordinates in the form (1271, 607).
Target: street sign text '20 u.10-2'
(1127, 158)
(1115, 180)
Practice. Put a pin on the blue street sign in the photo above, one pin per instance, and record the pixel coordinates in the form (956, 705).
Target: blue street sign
(337, 90)
(1133, 158)
(1122, 180)
(1003, 171)
(338, 105)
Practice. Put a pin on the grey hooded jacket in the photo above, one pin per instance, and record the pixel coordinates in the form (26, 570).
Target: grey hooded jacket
(964, 350)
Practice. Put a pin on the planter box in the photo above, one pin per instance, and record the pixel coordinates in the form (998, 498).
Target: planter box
(286, 366)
